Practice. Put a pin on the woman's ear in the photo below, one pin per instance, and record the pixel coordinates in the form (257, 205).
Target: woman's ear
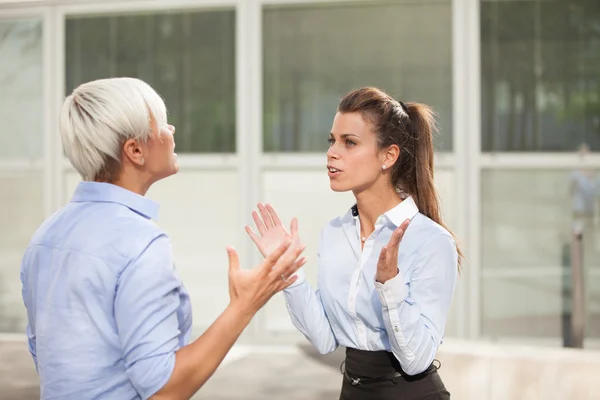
(391, 155)
(133, 152)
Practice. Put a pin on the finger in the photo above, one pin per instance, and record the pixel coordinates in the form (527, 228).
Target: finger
(265, 215)
(273, 214)
(234, 260)
(294, 227)
(255, 238)
(296, 266)
(259, 224)
(285, 284)
(285, 265)
(404, 226)
(273, 257)
(399, 232)
(395, 239)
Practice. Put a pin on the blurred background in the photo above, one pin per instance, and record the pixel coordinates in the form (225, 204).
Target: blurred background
(252, 87)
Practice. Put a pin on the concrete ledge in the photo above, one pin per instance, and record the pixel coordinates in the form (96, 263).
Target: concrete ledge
(484, 371)
(474, 370)
(470, 370)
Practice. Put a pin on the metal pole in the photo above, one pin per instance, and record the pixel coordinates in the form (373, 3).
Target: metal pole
(577, 291)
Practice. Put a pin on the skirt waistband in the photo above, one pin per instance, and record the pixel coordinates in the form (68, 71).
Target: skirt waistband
(373, 364)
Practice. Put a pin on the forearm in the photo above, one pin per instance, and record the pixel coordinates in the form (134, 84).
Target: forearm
(196, 362)
(412, 338)
(308, 316)
(413, 344)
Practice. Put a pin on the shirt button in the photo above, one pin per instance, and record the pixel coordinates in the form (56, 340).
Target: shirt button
(396, 329)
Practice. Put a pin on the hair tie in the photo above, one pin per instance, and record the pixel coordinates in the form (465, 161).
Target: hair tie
(403, 107)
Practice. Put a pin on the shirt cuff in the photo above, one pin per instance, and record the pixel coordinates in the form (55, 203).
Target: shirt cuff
(393, 292)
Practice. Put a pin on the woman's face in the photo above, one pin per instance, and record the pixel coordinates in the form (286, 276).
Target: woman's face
(354, 160)
(160, 160)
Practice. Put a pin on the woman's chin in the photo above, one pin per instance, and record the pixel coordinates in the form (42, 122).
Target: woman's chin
(337, 187)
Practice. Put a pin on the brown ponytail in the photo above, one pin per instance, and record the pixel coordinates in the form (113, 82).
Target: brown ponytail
(411, 127)
(423, 125)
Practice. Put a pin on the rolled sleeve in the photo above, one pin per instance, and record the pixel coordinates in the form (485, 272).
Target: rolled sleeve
(146, 305)
(32, 346)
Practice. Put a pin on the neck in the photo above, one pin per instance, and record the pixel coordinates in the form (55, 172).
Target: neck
(134, 184)
(374, 202)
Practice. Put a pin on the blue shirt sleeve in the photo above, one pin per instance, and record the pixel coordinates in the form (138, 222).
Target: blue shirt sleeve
(31, 339)
(306, 310)
(415, 313)
(146, 304)
(32, 346)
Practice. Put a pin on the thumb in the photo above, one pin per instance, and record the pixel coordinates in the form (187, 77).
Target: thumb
(234, 261)
(294, 226)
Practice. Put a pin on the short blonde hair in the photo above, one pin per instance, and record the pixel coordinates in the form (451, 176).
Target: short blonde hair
(100, 116)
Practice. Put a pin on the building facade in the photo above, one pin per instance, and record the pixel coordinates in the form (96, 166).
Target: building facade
(252, 86)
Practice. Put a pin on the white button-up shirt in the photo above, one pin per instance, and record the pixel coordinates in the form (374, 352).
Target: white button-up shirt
(406, 315)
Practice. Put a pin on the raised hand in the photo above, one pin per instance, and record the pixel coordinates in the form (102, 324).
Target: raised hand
(271, 232)
(387, 265)
(251, 289)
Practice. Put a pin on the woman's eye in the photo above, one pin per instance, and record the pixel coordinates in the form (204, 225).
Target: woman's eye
(350, 143)
(331, 141)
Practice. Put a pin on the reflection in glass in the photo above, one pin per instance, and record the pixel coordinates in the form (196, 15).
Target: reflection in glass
(187, 57)
(21, 86)
(531, 220)
(540, 67)
(315, 54)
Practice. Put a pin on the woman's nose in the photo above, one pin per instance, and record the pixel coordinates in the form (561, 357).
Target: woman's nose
(331, 153)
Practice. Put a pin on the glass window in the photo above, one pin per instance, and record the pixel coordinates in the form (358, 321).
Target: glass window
(315, 54)
(530, 241)
(21, 109)
(21, 138)
(188, 57)
(540, 75)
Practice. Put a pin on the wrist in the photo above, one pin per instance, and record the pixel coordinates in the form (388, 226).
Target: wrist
(241, 311)
(383, 278)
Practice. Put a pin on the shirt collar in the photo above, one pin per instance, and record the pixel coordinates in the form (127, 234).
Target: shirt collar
(407, 209)
(101, 192)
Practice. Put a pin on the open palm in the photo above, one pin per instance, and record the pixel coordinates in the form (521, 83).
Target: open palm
(271, 231)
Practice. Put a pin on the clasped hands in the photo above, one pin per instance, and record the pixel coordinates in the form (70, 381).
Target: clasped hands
(271, 233)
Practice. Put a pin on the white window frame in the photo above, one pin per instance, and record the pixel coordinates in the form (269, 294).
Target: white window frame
(42, 164)
(466, 160)
(458, 160)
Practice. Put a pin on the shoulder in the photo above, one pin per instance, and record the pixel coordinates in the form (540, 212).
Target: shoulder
(427, 235)
(107, 231)
(334, 227)
(132, 234)
(422, 224)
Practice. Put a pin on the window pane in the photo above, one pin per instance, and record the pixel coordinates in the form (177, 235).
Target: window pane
(315, 54)
(188, 57)
(21, 138)
(21, 110)
(529, 220)
(540, 65)
(21, 212)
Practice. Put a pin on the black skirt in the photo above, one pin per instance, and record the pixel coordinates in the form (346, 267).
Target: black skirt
(377, 375)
